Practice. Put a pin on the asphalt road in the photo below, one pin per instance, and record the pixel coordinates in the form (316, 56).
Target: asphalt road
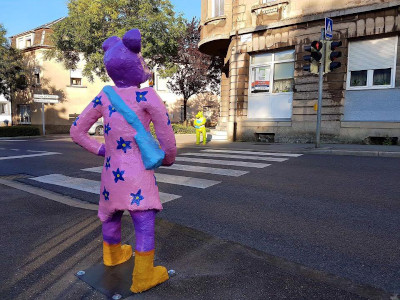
(337, 217)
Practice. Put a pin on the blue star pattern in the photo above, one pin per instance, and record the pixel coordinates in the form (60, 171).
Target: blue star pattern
(106, 194)
(76, 120)
(140, 96)
(108, 162)
(118, 175)
(136, 198)
(169, 121)
(111, 110)
(107, 128)
(97, 101)
(123, 144)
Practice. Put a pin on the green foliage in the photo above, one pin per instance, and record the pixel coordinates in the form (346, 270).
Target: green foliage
(178, 129)
(193, 72)
(91, 22)
(21, 130)
(12, 73)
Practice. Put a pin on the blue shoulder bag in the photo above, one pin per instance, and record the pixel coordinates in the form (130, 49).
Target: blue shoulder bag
(152, 155)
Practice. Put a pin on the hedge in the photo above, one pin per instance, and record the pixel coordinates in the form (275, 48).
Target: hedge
(178, 129)
(20, 130)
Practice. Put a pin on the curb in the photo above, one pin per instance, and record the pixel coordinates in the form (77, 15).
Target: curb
(352, 153)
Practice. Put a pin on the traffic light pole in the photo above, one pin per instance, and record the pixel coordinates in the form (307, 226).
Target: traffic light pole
(320, 88)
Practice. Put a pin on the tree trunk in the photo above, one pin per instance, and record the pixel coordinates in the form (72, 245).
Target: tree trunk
(184, 110)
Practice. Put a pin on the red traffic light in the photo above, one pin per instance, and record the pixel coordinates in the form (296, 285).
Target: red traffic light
(316, 45)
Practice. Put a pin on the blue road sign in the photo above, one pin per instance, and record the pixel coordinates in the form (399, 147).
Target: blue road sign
(328, 28)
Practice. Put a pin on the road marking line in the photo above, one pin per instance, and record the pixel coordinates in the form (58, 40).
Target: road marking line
(173, 179)
(28, 155)
(14, 149)
(1, 140)
(222, 162)
(86, 185)
(49, 195)
(36, 151)
(59, 140)
(275, 159)
(208, 170)
(253, 152)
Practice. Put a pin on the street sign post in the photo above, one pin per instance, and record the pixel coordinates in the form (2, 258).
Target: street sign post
(40, 98)
(328, 28)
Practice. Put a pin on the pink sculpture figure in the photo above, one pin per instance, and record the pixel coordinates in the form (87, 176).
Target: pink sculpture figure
(125, 183)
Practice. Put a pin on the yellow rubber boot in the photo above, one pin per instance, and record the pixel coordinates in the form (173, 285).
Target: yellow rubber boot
(145, 275)
(116, 254)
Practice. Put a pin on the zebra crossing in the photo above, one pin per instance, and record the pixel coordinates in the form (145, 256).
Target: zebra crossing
(224, 163)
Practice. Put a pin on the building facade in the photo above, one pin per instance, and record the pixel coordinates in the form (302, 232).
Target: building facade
(265, 91)
(74, 91)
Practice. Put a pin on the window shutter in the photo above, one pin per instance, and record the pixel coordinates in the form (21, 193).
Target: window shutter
(372, 54)
(76, 73)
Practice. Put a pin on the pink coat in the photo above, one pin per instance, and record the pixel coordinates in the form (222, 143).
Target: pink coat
(125, 183)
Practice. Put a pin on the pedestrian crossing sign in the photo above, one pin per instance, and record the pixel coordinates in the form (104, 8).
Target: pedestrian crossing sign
(328, 28)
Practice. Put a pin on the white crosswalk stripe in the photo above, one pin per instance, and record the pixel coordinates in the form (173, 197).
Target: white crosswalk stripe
(276, 159)
(173, 179)
(253, 152)
(207, 170)
(28, 155)
(231, 158)
(222, 162)
(86, 185)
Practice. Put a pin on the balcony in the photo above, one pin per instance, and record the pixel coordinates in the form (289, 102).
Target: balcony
(214, 36)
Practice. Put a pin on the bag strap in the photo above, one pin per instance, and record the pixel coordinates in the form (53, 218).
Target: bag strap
(119, 104)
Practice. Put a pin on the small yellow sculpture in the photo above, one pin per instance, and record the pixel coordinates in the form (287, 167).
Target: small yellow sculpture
(199, 124)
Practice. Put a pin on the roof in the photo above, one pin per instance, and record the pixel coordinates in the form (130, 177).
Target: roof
(47, 25)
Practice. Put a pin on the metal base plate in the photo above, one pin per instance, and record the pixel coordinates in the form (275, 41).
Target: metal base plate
(110, 281)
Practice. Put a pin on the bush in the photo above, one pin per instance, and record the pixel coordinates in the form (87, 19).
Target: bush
(19, 130)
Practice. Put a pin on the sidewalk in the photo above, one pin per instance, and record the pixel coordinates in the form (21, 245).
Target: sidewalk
(41, 263)
(187, 140)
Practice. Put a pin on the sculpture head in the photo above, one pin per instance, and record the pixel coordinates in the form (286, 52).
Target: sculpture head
(123, 60)
(199, 115)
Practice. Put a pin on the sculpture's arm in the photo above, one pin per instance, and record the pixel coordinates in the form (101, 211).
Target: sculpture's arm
(80, 127)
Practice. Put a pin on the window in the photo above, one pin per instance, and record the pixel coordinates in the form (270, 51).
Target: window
(272, 72)
(24, 112)
(36, 73)
(3, 108)
(372, 64)
(76, 77)
(217, 8)
(25, 41)
(161, 83)
(182, 113)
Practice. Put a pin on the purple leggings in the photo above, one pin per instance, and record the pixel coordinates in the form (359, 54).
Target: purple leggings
(144, 229)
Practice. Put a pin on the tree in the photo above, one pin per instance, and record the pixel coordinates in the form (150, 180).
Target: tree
(195, 72)
(12, 71)
(91, 22)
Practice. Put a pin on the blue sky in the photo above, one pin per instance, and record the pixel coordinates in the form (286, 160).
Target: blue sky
(20, 15)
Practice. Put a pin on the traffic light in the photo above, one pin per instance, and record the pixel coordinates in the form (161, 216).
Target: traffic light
(331, 55)
(316, 53)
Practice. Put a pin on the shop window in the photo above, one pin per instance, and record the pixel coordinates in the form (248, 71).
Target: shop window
(372, 64)
(272, 72)
(24, 113)
(217, 8)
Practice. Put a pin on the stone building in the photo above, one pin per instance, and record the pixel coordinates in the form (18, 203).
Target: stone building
(265, 92)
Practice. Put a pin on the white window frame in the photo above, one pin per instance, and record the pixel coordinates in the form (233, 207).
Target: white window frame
(3, 108)
(370, 76)
(21, 41)
(75, 74)
(272, 64)
(213, 12)
(29, 115)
